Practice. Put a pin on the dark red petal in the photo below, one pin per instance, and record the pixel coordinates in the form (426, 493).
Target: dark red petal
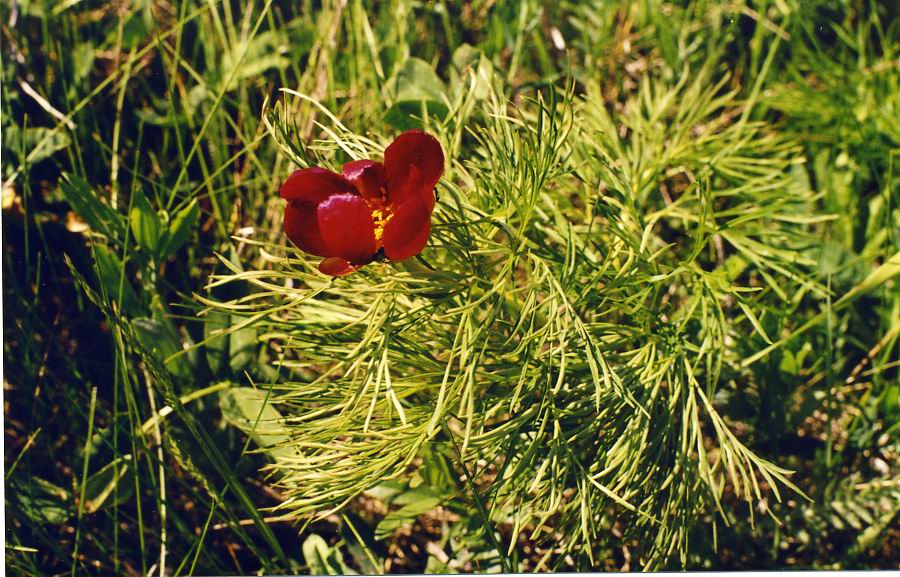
(347, 227)
(414, 163)
(336, 266)
(368, 177)
(406, 233)
(301, 224)
(314, 185)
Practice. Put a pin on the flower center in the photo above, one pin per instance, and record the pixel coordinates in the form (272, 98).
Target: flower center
(380, 216)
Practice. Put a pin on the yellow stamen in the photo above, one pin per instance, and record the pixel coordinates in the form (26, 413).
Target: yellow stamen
(380, 217)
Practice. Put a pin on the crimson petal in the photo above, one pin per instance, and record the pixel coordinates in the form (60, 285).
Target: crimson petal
(414, 163)
(407, 232)
(314, 185)
(336, 266)
(347, 227)
(368, 177)
(301, 224)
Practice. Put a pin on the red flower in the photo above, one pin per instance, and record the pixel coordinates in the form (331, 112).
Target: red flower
(373, 208)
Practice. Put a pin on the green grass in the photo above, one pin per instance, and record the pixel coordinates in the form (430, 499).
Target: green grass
(655, 327)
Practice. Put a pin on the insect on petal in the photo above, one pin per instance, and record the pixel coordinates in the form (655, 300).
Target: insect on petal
(347, 227)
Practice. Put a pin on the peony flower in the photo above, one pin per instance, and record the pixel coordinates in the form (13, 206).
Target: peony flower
(371, 209)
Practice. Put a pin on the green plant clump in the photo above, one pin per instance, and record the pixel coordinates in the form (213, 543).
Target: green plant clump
(655, 325)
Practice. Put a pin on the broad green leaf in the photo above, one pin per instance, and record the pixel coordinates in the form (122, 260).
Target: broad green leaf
(182, 365)
(38, 142)
(83, 60)
(386, 491)
(471, 70)
(41, 502)
(242, 345)
(319, 557)
(419, 93)
(216, 347)
(226, 349)
(180, 228)
(417, 80)
(110, 272)
(418, 494)
(50, 489)
(788, 364)
(249, 410)
(405, 514)
(161, 337)
(238, 344)
(86, 204)
(45, 511)
(465, 56)
(145, 224)
(408, 114)
(189, 359)
(102, 485)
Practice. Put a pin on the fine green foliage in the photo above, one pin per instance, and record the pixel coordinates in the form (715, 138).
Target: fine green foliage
(584, 363)
(656, 325)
